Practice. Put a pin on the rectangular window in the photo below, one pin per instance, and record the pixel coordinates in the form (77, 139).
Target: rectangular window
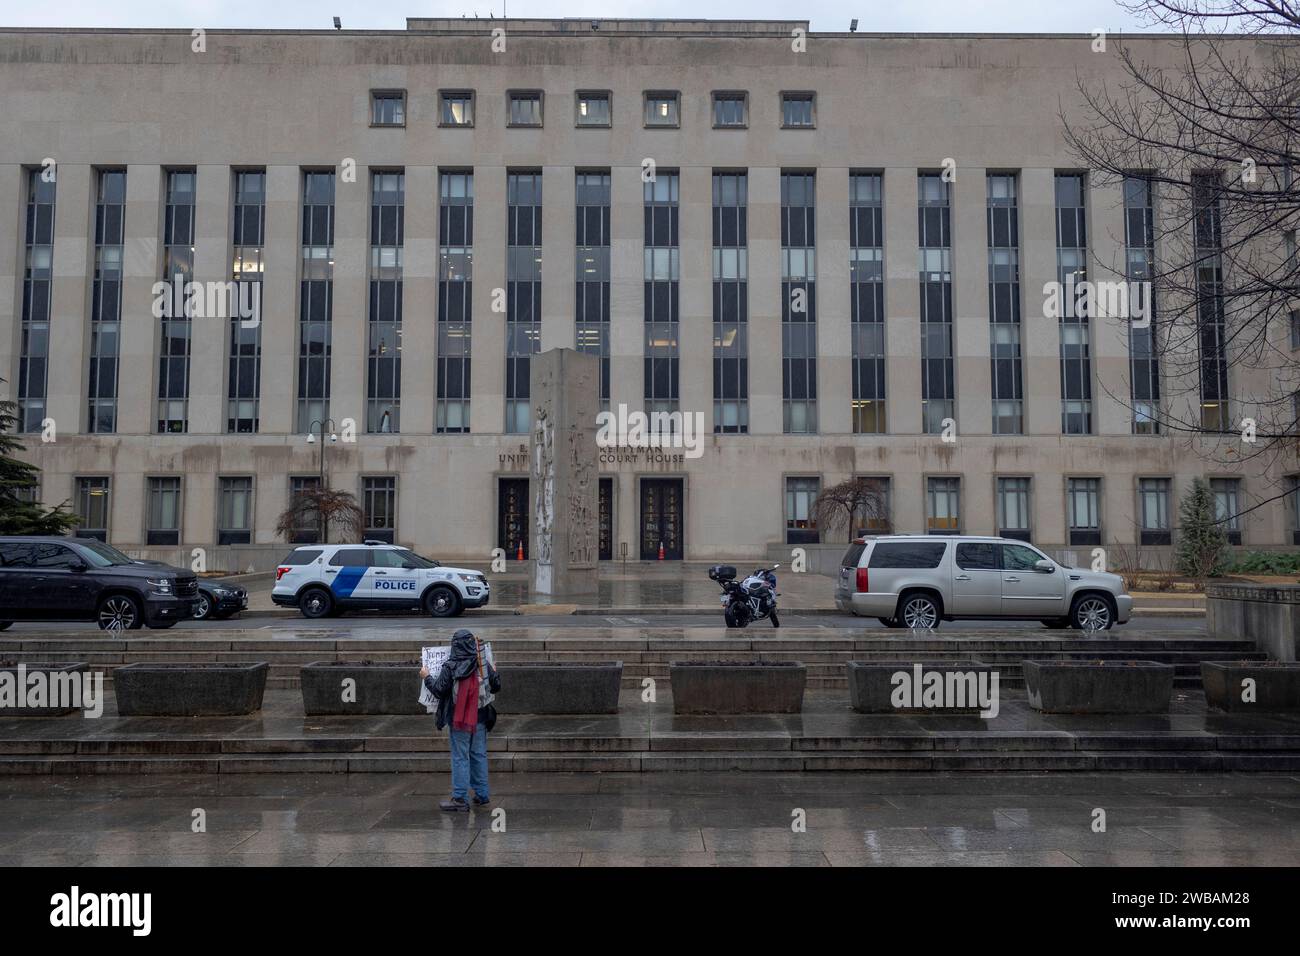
(938, 369)
(943, 505)
(662, 267)
(106, 300)
(384, 348)
(235, 519)
(177, 330)
(730, 303)
(661, 109)
(591, 271)
(456, 108)
(876, 514)
(1227, 506)
(379, 505)
(387, 107)
(455, 289)
(38, 275)
(799, 302)
(92, 508)
(316, 299)
(523, 292)
(244, 389)
(307, 526)
(867, 300)
(164, 512)
(593, 108)
(1295, 329)
(730, 110)
(1076, 333)
(1153, 508)
(1013, 508)
(800, 522)
(1293, 508)
(1211, 326)
(1004, 304)
(798, 110)
(525, 108)
(1144, 362)
(1083, 510)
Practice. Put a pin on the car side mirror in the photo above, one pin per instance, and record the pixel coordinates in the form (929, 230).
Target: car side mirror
(1044, 566)
(77, 566)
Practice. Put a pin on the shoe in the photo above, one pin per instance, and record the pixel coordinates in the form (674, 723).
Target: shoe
(454, 805)
(481, 801)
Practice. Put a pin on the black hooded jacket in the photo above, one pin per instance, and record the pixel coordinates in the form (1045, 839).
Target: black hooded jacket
(459, 665)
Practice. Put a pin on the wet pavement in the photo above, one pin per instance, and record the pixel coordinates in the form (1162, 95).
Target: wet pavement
(686, 819)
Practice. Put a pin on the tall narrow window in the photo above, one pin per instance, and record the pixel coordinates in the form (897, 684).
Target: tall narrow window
(177, 330)
(1083, 510)
(235, 520)
(591, 271)
(730, 302)
(1209, 302)
(523, 291)
(316, 299)
(662, 267)
(867, 301)
(379, 506)
(799, 302)
(92, 507)
(934, 221)
(800, 520)
(455, 285)
(943, 505)
(1292, 483)
(1153, 502)
(1013, 508)
(1139, 244)
(1004, 305)
(1227, 506)
(384, 349)
(1076, 333)
(164, 512)
(307, 529)
(106, 300)
(244, 388)
(876, 515)
(34, 354)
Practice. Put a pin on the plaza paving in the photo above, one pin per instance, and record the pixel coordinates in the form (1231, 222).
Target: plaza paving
(672, 819)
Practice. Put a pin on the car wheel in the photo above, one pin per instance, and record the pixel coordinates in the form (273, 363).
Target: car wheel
(776, 622)
(203, 607)
(442, 602)
(1092, 612)
(316, 603)
(119, 612)
(730, 617)
(919, 612)
(5, 625)
(1056, 623)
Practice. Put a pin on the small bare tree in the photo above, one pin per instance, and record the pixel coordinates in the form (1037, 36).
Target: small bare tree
(325, 508)
(855, 501)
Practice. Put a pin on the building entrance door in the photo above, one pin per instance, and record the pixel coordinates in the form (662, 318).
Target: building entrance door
(606, 519)
(512, 516)
(661, 518)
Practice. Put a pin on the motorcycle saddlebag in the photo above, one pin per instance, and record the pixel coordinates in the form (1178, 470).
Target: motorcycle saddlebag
(722, 572)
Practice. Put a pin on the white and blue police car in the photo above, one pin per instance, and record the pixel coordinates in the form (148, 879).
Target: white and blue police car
(324, 579)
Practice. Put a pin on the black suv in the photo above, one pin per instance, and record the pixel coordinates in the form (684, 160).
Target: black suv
(78, 579)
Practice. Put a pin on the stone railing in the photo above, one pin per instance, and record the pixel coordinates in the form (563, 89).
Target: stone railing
(1269, 615)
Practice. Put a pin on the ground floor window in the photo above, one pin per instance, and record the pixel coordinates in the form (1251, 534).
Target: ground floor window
(943, 505)
(1153, 502)
(1013, 508)
(235, 520)
(876, 514)
(800, 522)
(1293, 507)
(379, 504)
(1083, 510)
(92, 507)
(1227, 506)
(164, 512)
(307, 529)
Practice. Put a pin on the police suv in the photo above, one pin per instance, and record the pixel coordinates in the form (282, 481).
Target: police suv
(324, 579)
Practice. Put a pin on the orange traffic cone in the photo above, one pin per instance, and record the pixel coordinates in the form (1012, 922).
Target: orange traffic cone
(661, 550)
(520, 555)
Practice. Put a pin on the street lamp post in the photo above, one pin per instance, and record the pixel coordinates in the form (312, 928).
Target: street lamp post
(311, 440)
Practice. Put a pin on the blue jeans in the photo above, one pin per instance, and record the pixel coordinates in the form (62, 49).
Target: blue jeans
(469, 765)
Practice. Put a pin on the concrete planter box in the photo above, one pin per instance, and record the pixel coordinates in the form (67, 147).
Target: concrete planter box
(1277, 686)
(738, 687)
(1269, 615)
(1098, 687)
(872, 686)
(51, 671)
(379, 687)
(556, 688)
(189, 690)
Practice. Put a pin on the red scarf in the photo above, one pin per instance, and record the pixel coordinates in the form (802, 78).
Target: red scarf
(465, 715)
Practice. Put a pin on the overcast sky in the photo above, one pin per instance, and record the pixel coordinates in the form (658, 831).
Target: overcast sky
(962, 16)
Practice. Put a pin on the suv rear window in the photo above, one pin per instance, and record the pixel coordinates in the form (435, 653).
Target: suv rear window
(300, 556)
(907, 554)
(853, 555)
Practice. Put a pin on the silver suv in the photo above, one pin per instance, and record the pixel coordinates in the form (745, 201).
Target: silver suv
(919, 580)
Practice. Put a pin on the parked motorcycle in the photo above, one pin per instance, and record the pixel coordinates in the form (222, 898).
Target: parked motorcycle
(749, 600)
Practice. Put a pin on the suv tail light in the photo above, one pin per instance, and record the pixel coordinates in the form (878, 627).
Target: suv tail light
(281, 572)
(862, 580)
